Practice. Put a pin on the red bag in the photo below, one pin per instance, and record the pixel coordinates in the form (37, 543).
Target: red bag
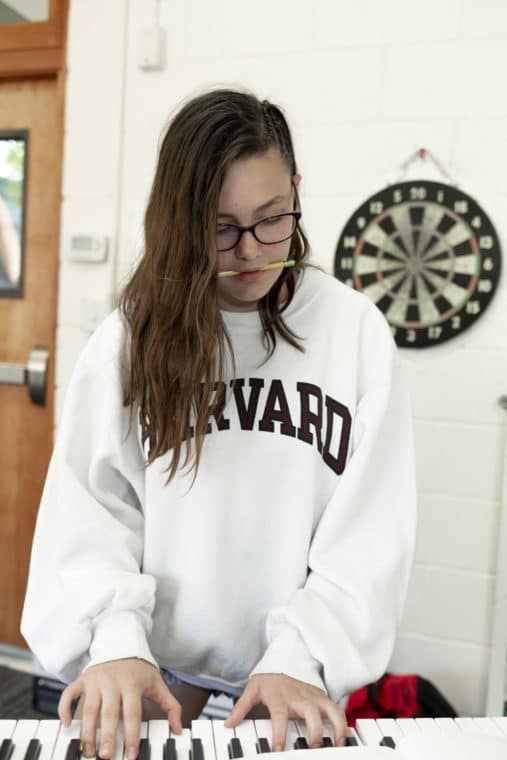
(398, 696)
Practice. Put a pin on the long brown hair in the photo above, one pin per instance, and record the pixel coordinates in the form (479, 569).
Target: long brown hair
(178, 343)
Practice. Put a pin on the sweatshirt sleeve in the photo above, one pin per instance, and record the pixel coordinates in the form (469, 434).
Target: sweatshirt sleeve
(87, 600)
(337, 632)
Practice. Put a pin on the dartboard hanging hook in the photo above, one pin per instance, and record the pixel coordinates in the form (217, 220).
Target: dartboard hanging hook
(423, 154)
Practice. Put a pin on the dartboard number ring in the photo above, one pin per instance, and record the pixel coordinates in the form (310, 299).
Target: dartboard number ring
(426, 254)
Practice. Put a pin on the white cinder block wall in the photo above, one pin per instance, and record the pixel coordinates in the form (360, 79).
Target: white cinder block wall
(364, 84)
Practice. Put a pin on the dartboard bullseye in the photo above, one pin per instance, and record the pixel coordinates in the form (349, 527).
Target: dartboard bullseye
(428, 256)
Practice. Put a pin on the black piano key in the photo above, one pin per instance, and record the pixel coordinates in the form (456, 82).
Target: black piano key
(327, 742)
(234, 748)
(6, 749)
(169, 751)
(33, 750)
(197, 751)
(351, 741)
(387, 741)
(144, 749)
(262, 745)
(301, 743)
(73, 750)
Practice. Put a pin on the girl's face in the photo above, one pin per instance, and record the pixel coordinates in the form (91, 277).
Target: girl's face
(253, 189)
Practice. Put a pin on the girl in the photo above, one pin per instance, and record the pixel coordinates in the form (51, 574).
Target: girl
(230, 502)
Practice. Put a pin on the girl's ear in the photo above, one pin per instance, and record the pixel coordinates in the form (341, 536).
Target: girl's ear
(296, 179)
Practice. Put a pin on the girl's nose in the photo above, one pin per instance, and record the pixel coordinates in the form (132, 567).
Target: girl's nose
(248, 246)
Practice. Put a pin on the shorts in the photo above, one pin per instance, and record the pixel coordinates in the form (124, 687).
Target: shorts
(175, 678)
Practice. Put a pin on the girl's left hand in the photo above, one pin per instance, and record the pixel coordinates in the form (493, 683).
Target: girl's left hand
(285, 698)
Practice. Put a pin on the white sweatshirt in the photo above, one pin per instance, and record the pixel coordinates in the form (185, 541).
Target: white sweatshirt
(292, 550)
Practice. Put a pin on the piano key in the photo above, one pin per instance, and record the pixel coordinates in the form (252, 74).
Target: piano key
(145, 750)
(466, 724)
(489, 727)
(292, 735)
(368, 731)
(119, 748)
(428, 726)
(203, 746)
(408, 726)
(73, 751)
(7, 727)
(7, 748)
(247, 735)
(352, 733)
(47, 732)
(64, 737)
(350, 741)
(169, 750)
(33, 750)
(501, 723)
(327, 731)
(389, 727)
(221, 737)
(387, 741)
(235, 749)
(301, 743)
(183, 743)
(23, 732)
(158, 734)
(262, 745)
(446, 724)
(263, 730)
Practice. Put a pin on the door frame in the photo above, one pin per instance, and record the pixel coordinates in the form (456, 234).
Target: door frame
(35, 47)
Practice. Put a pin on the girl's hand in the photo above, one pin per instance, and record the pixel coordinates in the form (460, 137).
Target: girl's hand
(286, 698)
(110, 688)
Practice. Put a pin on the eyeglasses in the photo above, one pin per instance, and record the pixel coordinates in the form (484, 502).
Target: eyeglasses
(273, 229)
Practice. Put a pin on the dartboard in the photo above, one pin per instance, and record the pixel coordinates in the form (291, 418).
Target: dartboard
(428, 256)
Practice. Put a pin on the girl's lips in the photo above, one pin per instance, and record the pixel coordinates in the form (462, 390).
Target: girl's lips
(251, 275)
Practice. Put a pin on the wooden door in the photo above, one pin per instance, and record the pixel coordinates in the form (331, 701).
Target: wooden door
(26, 430)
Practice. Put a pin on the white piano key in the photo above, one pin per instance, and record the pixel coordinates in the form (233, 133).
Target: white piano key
(408, 726)
(489, 727)
(428, 726)
(203, 730)
(158, 733)
(23, 732)
(183, 743)
(368, 731)
(222, 736)
(292, 734)
(446, 724)
(119, 748)
(47, 732)
(467, 724)
(501, 723)
(353, 733)
(263, 729)
(64, 737)
(245, 732)
(389, 727)
(7, 727)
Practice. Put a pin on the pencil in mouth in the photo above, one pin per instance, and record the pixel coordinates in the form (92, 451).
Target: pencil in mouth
(274, 265)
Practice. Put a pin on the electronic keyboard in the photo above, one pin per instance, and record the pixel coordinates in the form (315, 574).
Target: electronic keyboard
(407, 739)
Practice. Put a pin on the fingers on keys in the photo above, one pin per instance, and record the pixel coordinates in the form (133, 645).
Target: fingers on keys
(132, 715)
(71, 692)
(313, 720)
(279, 720)
(169, 704)
(89, 721)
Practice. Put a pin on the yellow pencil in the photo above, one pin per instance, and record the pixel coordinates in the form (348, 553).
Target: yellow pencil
(274, 265)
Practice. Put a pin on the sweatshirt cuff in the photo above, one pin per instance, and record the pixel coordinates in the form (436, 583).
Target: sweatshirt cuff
(118, 635)
(288, 654)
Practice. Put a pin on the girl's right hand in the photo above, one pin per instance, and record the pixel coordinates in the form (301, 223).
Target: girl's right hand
(111, 688)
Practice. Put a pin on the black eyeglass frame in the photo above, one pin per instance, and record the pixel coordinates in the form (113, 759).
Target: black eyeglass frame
(241, 230)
